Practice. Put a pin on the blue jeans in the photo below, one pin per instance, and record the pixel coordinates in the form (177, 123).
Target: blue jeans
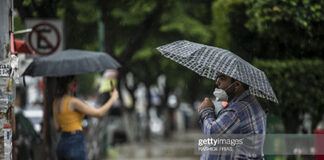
(71, 146)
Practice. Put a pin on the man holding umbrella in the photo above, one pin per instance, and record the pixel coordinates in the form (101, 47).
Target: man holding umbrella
(242, 115)
(237, 82)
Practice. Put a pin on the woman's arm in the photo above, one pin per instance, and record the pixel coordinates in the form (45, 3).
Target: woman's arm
(78, 105)
(56, 125)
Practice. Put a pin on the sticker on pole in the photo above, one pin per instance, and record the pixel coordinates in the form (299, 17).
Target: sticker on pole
(44, 39)
(4, 68)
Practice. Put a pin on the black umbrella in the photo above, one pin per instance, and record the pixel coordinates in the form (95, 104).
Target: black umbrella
(71, 62)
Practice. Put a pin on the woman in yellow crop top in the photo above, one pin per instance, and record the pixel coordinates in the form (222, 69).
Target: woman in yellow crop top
(68, 113)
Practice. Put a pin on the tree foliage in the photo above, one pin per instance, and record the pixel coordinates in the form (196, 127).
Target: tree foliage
(298, 85)
(229, 19)
(278, 30)
(264, 29)
(222, 21)
(294, 26)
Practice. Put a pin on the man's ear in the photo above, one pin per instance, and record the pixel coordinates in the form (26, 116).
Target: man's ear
(238, 85)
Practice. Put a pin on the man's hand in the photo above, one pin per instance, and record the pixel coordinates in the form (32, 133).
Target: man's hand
(205, 104)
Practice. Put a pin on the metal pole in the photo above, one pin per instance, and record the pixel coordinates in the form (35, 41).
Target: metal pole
(6, 27)
(101, 33)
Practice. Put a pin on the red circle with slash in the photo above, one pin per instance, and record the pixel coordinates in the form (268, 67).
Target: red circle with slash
(37, 30)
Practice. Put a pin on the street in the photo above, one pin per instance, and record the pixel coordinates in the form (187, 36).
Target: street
(181, 147)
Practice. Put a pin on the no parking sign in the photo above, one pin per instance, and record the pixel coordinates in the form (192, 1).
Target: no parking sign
(46, 36)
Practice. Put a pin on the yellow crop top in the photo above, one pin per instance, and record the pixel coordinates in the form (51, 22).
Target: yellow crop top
(67, 120)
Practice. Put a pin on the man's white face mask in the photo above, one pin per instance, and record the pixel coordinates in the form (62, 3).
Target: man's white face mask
(221, 94)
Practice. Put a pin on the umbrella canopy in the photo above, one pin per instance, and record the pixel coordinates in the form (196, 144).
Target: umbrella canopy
(71, 62)
(24, 126)
(207, 61)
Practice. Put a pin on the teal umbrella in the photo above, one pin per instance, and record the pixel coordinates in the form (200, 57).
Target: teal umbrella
(24, 126)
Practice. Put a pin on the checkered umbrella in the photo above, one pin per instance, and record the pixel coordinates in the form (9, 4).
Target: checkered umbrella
(207, 61)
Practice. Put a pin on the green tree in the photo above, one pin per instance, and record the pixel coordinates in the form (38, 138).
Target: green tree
(297, 84)
(229, 20)
(293, 27)
(133, 29)
(277, 30)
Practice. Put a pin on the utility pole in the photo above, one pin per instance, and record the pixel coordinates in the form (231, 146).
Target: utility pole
(6, 83)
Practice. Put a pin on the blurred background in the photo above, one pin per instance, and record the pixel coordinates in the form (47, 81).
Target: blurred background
(156, 115)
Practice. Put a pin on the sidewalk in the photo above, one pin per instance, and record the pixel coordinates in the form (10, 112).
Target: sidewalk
(181, 147)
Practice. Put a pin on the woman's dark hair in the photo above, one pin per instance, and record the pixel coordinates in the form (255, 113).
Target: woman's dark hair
(62, 84)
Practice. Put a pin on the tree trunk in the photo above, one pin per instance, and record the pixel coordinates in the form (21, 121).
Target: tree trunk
(97, 128)
(148, 107)
(49, 132)
(291, 121)
(164, 110)
(317, 117)
(136, 42)
(194, 88)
